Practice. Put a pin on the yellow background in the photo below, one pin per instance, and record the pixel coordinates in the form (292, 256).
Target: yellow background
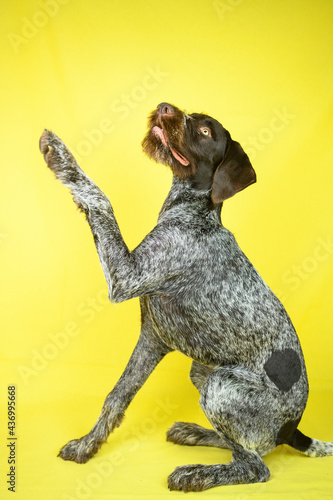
(92, 71)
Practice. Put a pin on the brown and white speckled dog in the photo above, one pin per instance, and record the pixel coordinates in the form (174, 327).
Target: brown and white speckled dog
(199, 295)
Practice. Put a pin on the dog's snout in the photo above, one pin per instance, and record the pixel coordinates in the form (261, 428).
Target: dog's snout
(165, 109)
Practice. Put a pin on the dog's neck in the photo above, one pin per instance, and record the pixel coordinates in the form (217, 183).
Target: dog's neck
(199, 201)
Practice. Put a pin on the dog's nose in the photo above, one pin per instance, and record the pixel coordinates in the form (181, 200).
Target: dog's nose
(165, 109)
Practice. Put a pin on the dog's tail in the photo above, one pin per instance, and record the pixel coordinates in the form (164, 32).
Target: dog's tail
(309, 446)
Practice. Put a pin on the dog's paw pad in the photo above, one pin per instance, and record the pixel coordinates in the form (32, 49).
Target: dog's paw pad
(50, 146)
(45, 145)
(44, 142)
(58, 158)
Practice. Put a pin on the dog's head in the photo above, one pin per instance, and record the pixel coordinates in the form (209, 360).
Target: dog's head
(200, 149)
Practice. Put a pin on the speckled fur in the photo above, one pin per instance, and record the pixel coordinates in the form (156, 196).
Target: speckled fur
(200, 295)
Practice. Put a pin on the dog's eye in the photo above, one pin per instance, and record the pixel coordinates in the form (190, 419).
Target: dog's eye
(205, 131)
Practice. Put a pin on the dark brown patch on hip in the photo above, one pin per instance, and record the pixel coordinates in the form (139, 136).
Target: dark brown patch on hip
(284, 368)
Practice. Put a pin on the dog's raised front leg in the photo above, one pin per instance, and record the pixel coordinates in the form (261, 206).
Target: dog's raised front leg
(128, 274)
(147, 354)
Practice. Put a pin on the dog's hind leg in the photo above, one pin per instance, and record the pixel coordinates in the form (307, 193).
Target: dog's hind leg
(247, 416)
(189, 434)
(199, 374)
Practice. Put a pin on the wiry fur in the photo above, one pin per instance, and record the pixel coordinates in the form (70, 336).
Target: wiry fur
(200, 295)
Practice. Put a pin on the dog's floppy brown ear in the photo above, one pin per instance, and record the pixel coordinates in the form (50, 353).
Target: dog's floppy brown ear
(234, 173)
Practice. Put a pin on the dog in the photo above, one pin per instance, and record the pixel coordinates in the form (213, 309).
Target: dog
(199, 295)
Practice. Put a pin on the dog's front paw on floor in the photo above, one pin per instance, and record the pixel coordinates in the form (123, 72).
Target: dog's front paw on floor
(80, 450)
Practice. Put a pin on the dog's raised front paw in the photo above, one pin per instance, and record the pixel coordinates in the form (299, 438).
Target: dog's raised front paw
(80, 450)
(58, 158)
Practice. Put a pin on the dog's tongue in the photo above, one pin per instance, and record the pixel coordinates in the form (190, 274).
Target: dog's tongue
(179, 157)
(159, 133)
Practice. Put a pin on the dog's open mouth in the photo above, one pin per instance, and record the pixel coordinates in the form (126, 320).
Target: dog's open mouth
(159, 132)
